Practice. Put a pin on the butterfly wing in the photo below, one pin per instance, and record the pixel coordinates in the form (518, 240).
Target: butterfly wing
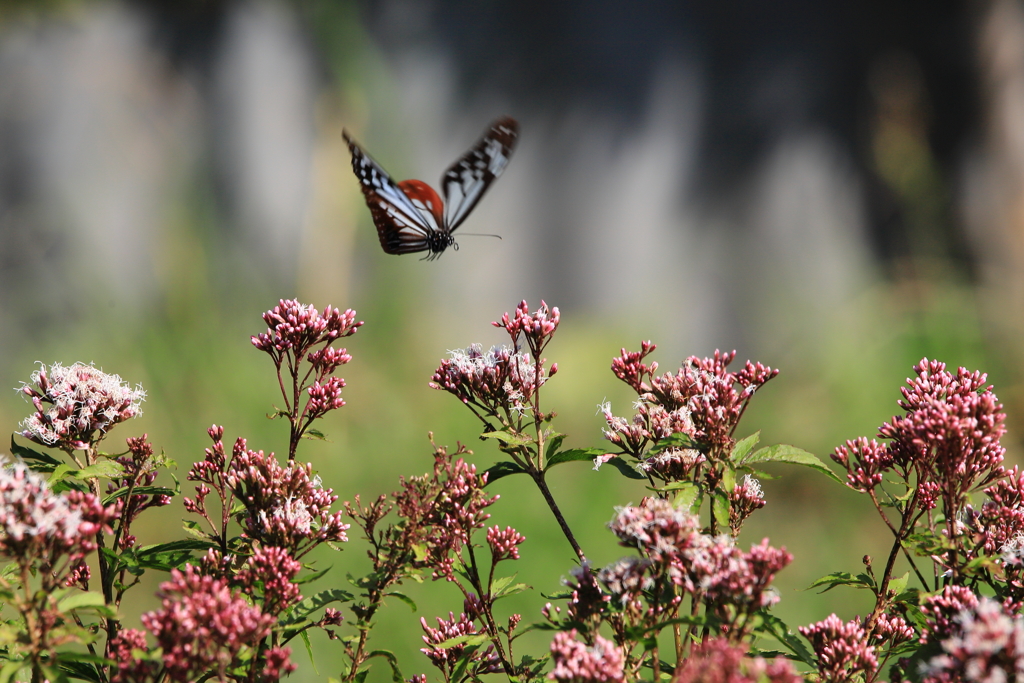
(466, 181)
(401, 226)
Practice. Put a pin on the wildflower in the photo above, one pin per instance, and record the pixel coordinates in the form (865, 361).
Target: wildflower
(577, 663)
(627, 579)
(37, 524)
(743, 500)
(842, 649)
(446, 659)
(893, 629)
(130, 668)
(283, 506)
(496, 380)
(203, 625)
(74, 403)
(718, 661)
(986, 645)
(942, 610)
(295, 328)
(504, 544)
(586, 600)
(272, 569)
(538, 327)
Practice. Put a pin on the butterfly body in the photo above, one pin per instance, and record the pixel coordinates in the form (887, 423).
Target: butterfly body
(410, 216)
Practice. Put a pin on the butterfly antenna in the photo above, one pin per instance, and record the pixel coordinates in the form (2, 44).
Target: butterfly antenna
(477, 234)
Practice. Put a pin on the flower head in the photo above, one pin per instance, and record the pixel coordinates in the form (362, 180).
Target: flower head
(985, 645)
(202, 625)
(577, 663)
(76, 405)
(842, 649)
(296, 327)
(718, 661)
(447, 658)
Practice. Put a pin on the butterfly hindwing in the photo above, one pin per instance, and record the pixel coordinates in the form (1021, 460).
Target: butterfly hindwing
(466, 181)
(401, 226)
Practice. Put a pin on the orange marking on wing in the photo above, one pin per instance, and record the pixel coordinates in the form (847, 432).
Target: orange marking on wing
(417, 190)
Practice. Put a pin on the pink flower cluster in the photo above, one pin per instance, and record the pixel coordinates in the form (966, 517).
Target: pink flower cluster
(504, 543)
(128, 668)
(77, 405)
(984, 644)
(447, 506)
(842, 649)
(538, 327)
(54, 530)
(203, 625)
(285, 506)
(447, 658)
(272, 570)
(576, 663)
(745, 498)
(718, 661)
(703, 400)
(948, 438)
(712, 567)
(502, 382)
(295, 328)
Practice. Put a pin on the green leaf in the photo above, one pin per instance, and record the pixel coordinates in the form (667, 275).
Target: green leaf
(743, 447)
(11, 668)
(467, 640)
(81, 599)
(310, 578)
(728, 482)
(793, 456)
(554, 443)
(309, 651)
(720, 506)
(778, 629)
(184, 544)
(193, 528)
(314, 435)
(404, 598)
(899, 585)
(26, 453)
(573, 455)
(314, 602)
(396, 672)
(688, 494)
(624, 468)
(138, 491)
(501, 470)
(677, 440)
(508, 438)
(110, 469)
(503, 587)
(843, 579)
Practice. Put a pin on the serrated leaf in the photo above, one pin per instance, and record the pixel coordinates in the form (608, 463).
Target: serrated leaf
(110, 469)
(467, 640)
(508, 438)
(728, 482)
(743, 447)
(501, 470)
(404, 598)
(512, 589)
(314, 435)
(686, 494)
(554, 443)
(183, 544)
(841, 579)
(677, 440)
(574, 455)
(624, 468)
(310, 578)
(138, 491)
(26, 453)
(793, 456)
(313, 603)
(193, 528)
(778, 629)
(899, 585)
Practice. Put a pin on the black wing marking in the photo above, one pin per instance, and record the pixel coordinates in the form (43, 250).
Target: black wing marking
(403, 228)
(466, 181)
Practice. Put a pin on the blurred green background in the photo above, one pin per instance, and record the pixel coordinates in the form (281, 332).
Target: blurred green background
(834, 191)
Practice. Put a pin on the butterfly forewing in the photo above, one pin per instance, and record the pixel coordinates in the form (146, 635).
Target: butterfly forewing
(466, 181)
(402, 227)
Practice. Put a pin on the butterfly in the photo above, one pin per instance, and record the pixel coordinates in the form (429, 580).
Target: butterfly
(410, 216)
